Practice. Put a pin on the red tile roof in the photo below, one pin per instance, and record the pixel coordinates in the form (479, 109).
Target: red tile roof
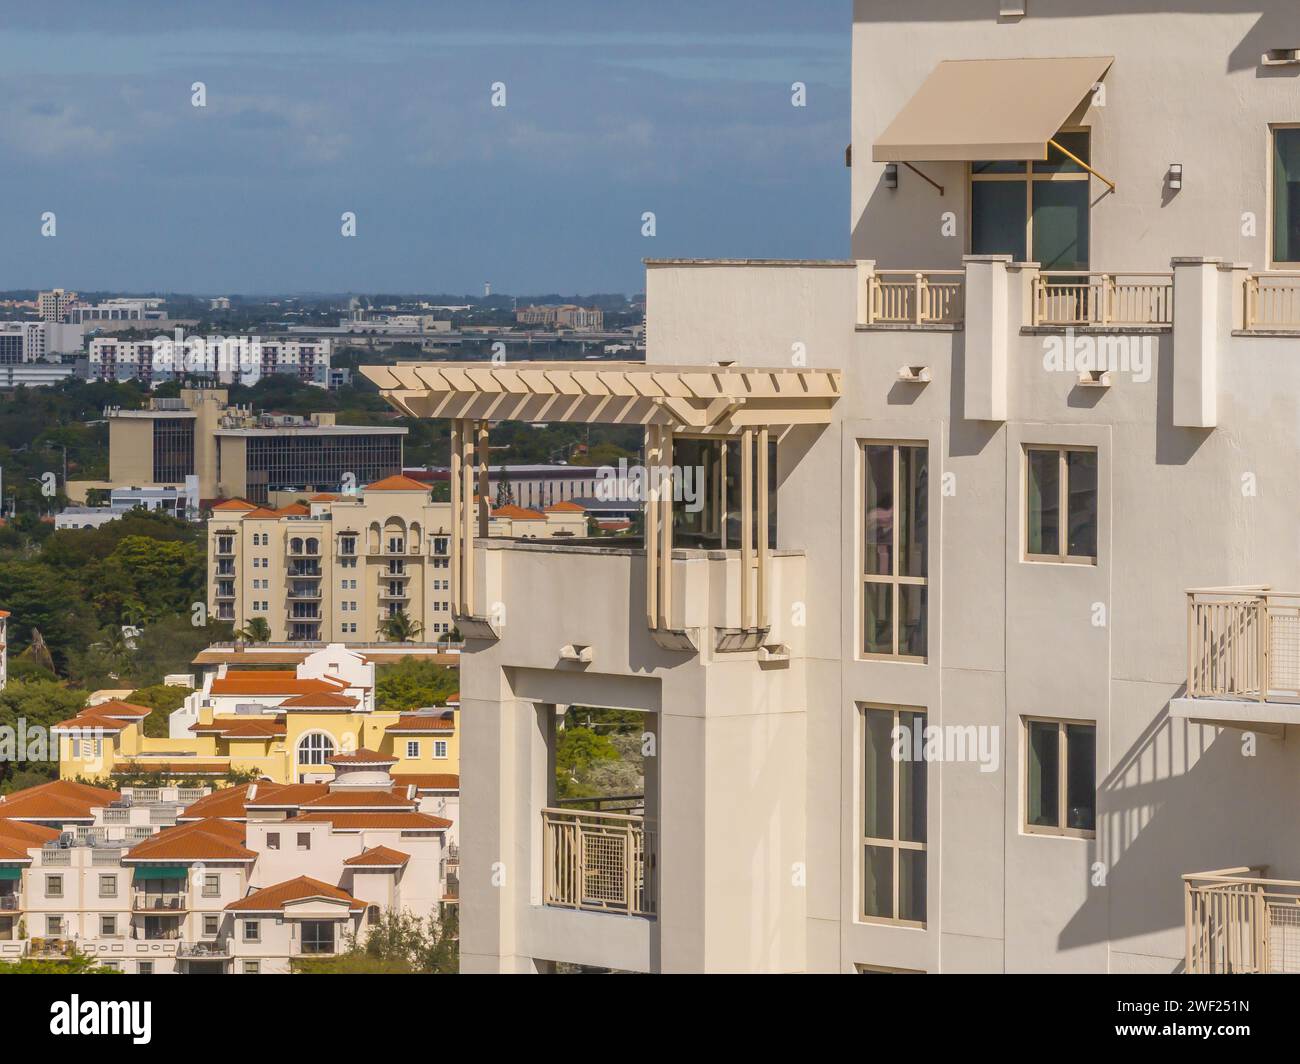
(90, 721)
(233, 504)
(397, 483)
(363, 756)
(241, 728)
(320, 701)
(58, 800)
(378, 821)
(378, 857)
(517, 513)
(422, 724)
(206, 840)
(428, 781)
(115, 707)
(360, 801)
(304, 888)
(285, 795)
(272, 683)
(227, 802)
(564, 506)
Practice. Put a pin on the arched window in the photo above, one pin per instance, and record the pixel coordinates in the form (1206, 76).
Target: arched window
(295, 546)
(313, 546)
(315, 748)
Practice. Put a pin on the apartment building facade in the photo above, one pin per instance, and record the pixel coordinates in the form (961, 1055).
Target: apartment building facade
(1004, 686)
(338, 566)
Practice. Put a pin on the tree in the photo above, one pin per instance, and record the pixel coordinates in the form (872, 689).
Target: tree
(163, 700)
(255, 630)
(399, 628)
(414, 682)
(25, 707)
(116, 649)
(398, 943)
(75, 963)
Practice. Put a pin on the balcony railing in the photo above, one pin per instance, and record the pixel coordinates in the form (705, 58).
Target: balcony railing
(1273, 301)
(1243, 643)
(218, 949)
(1069, 298)
(598, 861)
(1238, 922)
(159, 903)
(915, 297)
(9, 903)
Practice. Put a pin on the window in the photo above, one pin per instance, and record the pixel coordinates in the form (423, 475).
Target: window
(211, 885)
(1060, 777)
(1286, 197)
(54, 926)
(893, 818)
(272, 840)
(1060, 480)
(304, 840)
(144, 967)
(108, 886)
(252, 931)
(315, 749)
(211, 924)
(108, 926)
(317, 936)
(413, 748)
(252, 967)
(894, 552)
(54, 886)
(1039, 207)
(440, 748)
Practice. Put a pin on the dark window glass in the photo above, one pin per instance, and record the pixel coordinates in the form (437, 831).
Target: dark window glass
(1286, 195)
(1081, 776)
(1044, 778)
(1044, 502)
(998, 218)
(1082, 483)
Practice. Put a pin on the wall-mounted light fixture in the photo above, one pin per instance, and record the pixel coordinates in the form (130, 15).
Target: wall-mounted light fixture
(891, 175)
(1175, 176)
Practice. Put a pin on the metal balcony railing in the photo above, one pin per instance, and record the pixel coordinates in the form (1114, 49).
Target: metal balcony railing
(1239, 922)
(1243, 643)
(915, 297)
(218, 949)
(159, 903)
(598, 861)
(1067, 297)
(9, 903)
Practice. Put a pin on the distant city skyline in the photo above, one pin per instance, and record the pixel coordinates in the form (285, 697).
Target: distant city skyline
(314, 110)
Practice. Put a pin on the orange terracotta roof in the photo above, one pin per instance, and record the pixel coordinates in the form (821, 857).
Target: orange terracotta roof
(397, 483)
(115, 707)
(89, 721)
(422, 724)
(363, 756)
(429, 781)
(4, 613)
(320, 701)
(233, 504)
(58, 800)
(262, 514)
(241, 728)
(378, 857)
(227, 802)
(378, 821)
(206, 840)
(517, 513)
(566, 507)
(324, 496)
(21, 834)
(294, 509)
(359, 801)
(270, 683)
(286, 795)
(275, 898)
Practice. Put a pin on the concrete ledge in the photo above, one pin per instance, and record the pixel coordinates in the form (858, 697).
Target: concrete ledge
(1270, 718)
(941, 327)
(606, 940)
(1095, 330)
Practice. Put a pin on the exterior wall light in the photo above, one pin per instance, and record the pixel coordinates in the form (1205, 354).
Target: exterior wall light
(891, 175)
(1175, 176)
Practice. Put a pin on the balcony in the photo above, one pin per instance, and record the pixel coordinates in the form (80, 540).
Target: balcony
(600, 862)
(304, 594)
(915, 297)
(9, 903)
(171, 904)
(1273, 302)
(1129, 300)
(1239, 922)
(219, 949)
(304, 571)
(1243, 658)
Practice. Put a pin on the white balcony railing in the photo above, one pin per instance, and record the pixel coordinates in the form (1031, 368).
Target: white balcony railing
(598, 861)
(1243, 643)
(1238, 922)
(1273, 301)
(915, 297)
(1070, 298)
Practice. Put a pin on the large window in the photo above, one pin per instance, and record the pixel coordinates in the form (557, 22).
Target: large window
(315, 748)
(1060, 777)
(1039, 207)
(893, 817)
(1286, 197)
(894, 553)
(707, 508)
(1061, 481)
(317, 936)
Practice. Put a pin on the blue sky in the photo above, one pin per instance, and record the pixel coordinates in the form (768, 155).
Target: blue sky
(383, 108)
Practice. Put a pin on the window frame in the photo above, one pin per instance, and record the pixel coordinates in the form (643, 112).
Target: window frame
(1060, 830)
(54, 885)
(895, 580)
(1062, 557)
(896, 844)
(440, 749)
(107, 879)
(412, 749)
(1029, 179)
(1270, 169)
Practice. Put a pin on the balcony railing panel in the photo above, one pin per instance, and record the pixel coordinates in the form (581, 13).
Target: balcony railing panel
(1243, 643)
(915, 297)
(1239, 922)
(1273, 301)
(598, 861)
(1071, 298)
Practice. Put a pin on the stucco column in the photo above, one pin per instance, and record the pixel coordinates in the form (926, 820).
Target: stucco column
(987, 333)
(1196, 341)
(866, 269)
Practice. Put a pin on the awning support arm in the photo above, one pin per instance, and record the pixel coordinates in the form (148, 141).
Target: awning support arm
(924, 177)
(1074, 158)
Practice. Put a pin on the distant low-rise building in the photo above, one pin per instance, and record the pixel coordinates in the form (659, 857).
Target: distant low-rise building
(564, 316)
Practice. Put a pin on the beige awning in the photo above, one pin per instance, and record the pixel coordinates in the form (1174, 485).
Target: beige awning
(974, 109)
(701, 398)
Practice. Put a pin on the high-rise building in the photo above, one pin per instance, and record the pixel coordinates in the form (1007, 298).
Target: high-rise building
(53, 306)
(979, 657)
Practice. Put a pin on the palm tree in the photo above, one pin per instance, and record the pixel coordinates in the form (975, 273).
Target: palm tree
(255, 630)
(117, 648)
(399, 628)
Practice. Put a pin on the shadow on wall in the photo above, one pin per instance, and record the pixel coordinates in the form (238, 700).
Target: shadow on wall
(1183, 799)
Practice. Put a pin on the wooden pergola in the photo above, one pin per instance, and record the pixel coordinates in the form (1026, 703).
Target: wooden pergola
(726, 403)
